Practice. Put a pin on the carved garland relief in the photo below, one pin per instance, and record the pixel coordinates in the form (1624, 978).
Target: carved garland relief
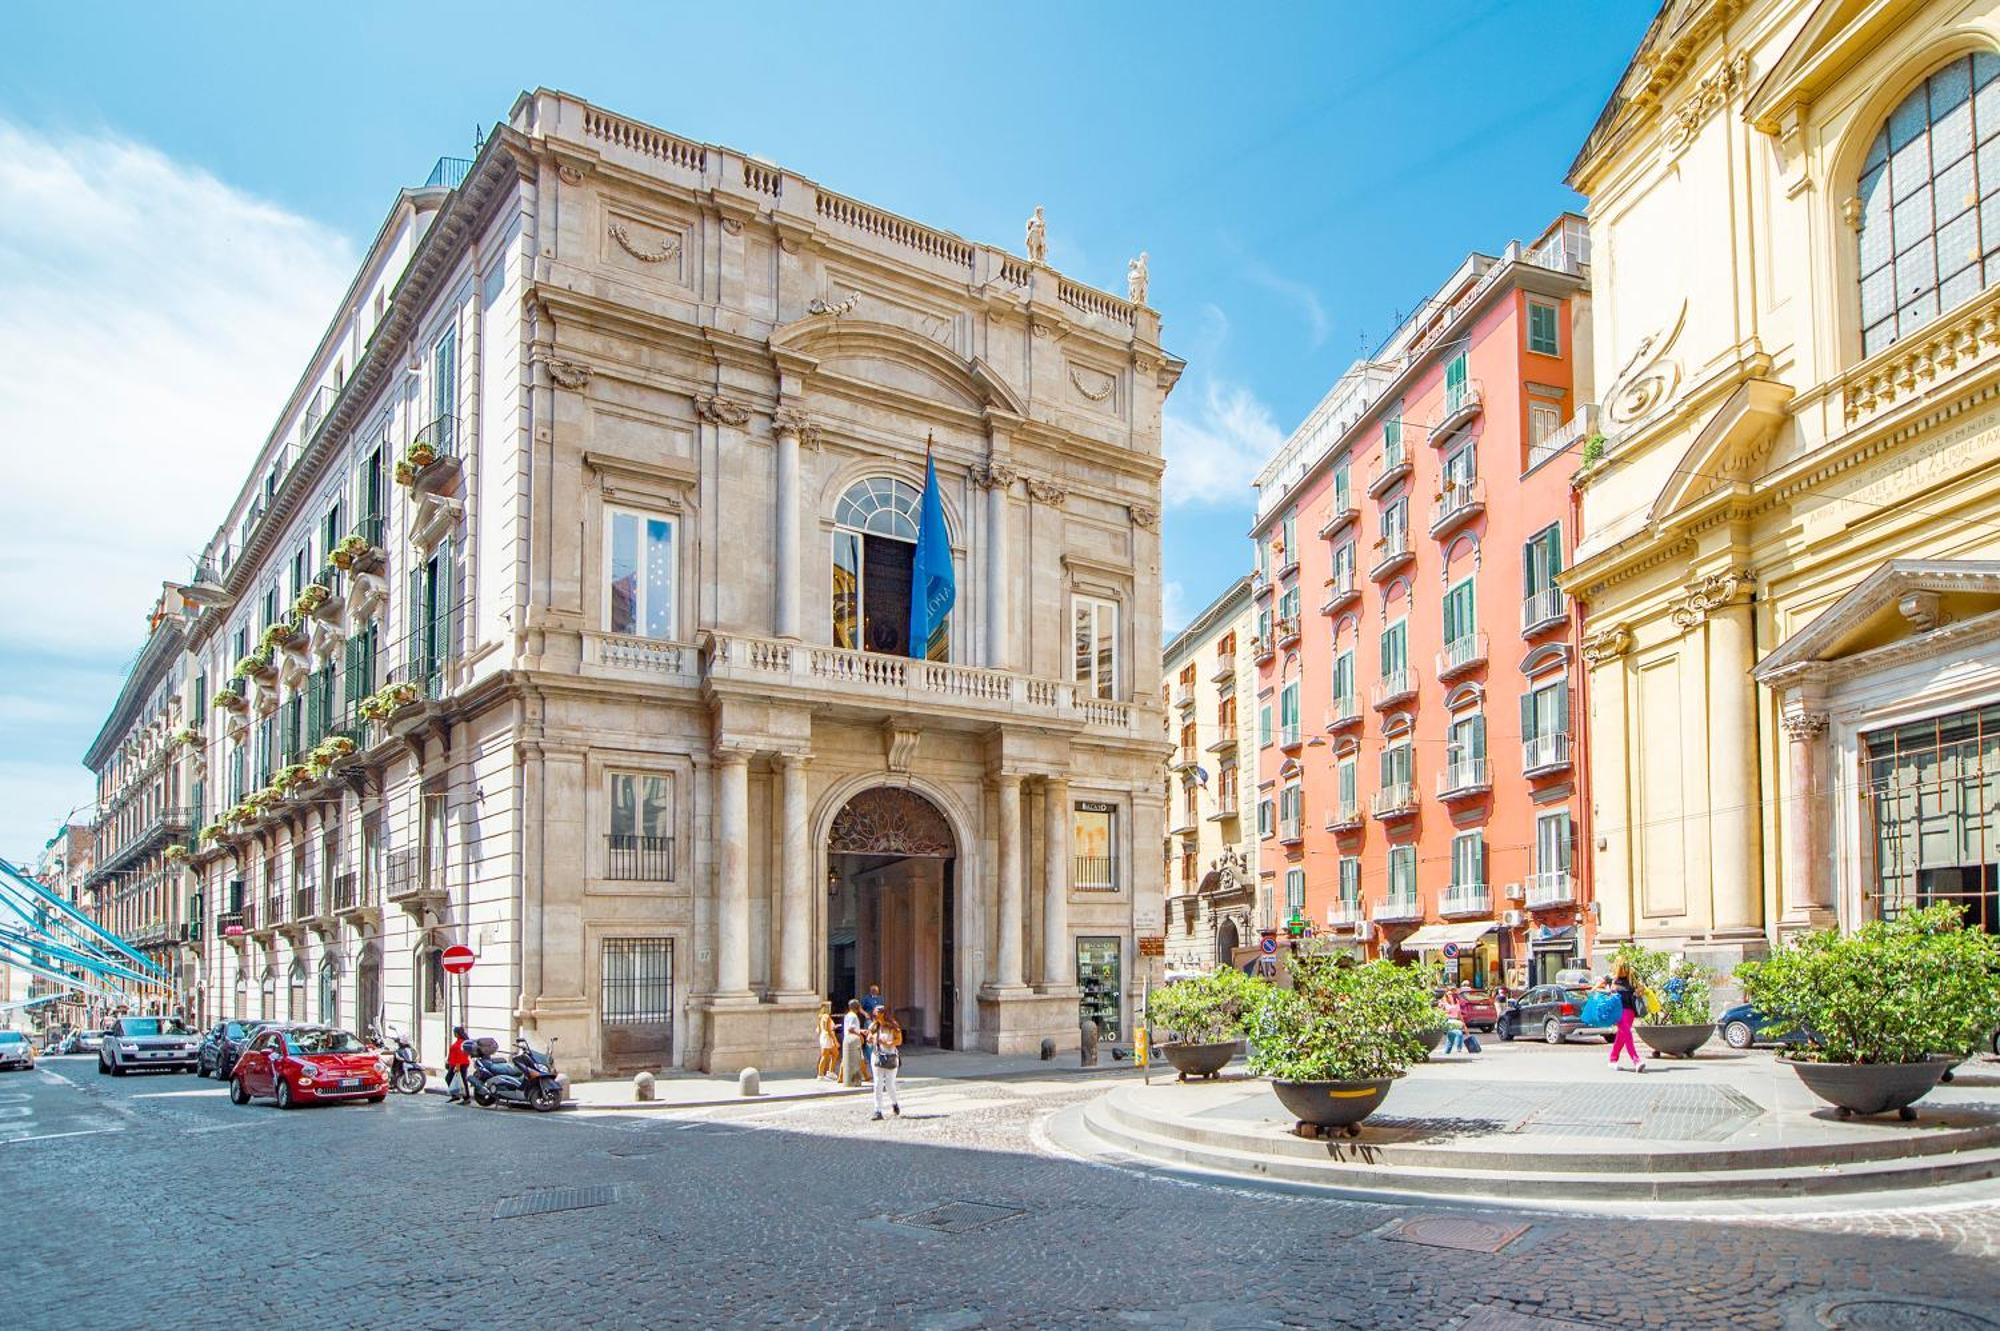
(1707, 97)
(668, 249)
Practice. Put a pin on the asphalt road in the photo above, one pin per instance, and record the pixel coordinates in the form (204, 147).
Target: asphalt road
(151, 1201)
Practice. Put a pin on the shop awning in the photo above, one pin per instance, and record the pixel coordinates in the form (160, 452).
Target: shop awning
(1434, 936)
(1554, 938)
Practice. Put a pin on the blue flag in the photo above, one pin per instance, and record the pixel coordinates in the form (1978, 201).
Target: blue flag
(933, 587)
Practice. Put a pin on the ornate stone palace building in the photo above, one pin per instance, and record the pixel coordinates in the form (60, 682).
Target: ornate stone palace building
(563, 616)
(1790, 552)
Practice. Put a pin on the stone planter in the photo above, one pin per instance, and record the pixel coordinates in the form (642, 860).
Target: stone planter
(1675, 1041)
(1201, 1060)
(1325, 1107)
(1872, 1088)
(1432, 1039)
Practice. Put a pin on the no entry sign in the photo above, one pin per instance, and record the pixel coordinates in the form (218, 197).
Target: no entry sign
(458, 958)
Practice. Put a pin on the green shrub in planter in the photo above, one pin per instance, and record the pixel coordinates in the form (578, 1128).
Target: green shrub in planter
(1895, 991)
(1678, 989)
(1207, 1009)
(1342, 1022)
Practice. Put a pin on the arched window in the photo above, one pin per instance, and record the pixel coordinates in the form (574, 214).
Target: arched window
(874, 548)
(329, 990)
(1929, 197)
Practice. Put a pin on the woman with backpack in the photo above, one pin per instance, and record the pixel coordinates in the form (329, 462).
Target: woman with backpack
(885, 1047)
(1628, 1015)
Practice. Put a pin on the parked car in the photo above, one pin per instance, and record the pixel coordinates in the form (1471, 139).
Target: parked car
(15, 1051)
(146, 1042)
(222, 1046)
(1552, 1011)
(83, 1042)
(305, 1064)
(1480, 1011)
(1743, 1027)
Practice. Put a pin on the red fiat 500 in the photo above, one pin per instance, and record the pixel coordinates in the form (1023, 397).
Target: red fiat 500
(300, 1064)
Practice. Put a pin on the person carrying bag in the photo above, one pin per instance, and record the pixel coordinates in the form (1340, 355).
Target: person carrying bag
(885, 1046)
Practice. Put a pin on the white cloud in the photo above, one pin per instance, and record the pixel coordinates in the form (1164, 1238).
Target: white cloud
(152, 321)
(1215, 450)
(1298, 294)
(1173, 607)
(34, 799)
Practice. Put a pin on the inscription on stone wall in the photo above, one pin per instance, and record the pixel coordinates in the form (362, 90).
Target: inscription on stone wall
(1917, 467)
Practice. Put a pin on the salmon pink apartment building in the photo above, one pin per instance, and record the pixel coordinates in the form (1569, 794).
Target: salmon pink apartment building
(1418, 765)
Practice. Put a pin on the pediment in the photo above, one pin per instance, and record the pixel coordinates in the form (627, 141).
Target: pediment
(1838, 35)
(897, 357)
(1902, 601)
(1731, 448)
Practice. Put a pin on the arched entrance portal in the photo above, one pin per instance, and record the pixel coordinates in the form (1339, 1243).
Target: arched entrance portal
(1225, 944)
(890, 910)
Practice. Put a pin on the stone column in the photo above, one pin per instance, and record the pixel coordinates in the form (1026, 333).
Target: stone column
(1058, 962)
(1808, 820)
(997, 478)
(785, 620)
(732, 896)
(795, 930)
(1735, 866)
(1007, 970)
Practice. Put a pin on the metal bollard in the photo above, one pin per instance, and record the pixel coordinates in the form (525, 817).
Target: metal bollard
(747, 1082)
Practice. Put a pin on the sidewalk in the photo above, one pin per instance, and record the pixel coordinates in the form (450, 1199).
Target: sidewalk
(689, 1090)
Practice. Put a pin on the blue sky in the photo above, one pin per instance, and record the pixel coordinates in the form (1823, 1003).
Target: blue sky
(185, 188)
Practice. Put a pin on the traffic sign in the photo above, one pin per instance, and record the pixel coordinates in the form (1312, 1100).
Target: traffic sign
(1451, 950)
(458, 958)
(1270, 946)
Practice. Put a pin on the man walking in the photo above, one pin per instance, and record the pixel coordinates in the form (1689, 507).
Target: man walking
(458, 1063)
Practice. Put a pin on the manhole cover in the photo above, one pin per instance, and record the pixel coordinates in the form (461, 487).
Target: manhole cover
(960, 1217)
(1875, 1312)
(1464, 1232)
(555, 1199)
(1502, 1319)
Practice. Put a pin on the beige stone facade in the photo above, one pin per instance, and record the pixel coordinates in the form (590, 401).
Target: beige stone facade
(1214, 907)
(1788, 541)
(601, 668)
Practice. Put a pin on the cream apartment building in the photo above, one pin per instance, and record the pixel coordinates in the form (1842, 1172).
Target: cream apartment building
(1214, 908)
(563, 617)
(1790, 563)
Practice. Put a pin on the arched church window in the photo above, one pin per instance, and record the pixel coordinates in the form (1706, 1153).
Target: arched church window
(874, 549)
(1929, 202)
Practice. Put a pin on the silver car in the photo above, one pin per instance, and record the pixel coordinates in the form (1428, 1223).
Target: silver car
(15, 1051)
(147, 1042)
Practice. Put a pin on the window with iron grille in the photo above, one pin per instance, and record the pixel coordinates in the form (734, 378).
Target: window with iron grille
(638, 981)
(1093, 843)
(640, 844)
(1931, 789)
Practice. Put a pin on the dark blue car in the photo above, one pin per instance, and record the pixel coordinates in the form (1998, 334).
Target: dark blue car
(1743, 1026)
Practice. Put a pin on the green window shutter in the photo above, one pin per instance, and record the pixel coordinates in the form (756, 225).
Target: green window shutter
(1562, 708)
(1454, 377)
(1476, 738)
(1528, 716)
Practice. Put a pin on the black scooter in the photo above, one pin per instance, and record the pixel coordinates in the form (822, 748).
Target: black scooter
(527, 1078)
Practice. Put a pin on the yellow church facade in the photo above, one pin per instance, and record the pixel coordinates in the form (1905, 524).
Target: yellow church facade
(1791, 553)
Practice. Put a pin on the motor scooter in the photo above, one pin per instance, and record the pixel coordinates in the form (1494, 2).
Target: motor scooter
(528, 1077)
(406, 1073)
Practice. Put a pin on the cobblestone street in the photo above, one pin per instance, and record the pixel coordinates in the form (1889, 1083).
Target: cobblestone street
(953, 1216)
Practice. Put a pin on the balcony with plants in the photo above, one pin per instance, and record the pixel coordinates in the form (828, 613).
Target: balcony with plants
(1346, 816)
(1392, 550)
(1457, 504)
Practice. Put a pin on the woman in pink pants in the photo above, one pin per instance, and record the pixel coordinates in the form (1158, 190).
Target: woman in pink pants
(1628, 1013)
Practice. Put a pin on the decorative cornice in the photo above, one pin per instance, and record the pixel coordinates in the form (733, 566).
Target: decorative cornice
(1051, 493)
(1144, 516)
(790, 420)
(1709, 595)
(719, 410)
(1607, 644)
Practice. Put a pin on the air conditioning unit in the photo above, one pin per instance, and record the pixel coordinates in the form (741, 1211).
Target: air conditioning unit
(1513, 919)
(1364, 930)
(1515, 892)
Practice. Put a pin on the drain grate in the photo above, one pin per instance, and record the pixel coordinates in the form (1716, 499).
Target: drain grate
(1463, 1232)
(960, 1217)
(1884, 1312)
(555, 1199)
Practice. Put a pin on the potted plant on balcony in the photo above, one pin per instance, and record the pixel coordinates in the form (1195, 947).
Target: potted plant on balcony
(350, 551)
(293, 775)
(1208, 1015)
(1335, 1042)
(389, 699)
(1681, 1016)
(215, 831)
(175, 854)
(228, 699)
(420, 453)
(1875, 1018)
(312, 597)
(330, 751)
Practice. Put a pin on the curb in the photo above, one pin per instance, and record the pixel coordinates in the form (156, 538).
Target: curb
(833, 1093)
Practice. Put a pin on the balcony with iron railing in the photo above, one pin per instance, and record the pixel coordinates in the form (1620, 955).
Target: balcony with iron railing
(1549, 888)
(1343, 913)
(1392, 464)
(1342, 711)
(1463, 653)
(1291, 736)
(1543, 754)
(1458, 503)
(1344, 816)
(1291, 829)
(1186, 758)
(1225, 739)
(1395, 687)
(1568, 438)
(352, 897)
(1183, 821)
(1397, 907)
(1544, 610)
(432, 454)
(1342, 512)
(629, 857)
(238, 922)
(143, 836)
(449, 173)
(1395, 801)
(1262, 650)
(1287, 631)
(1462, 899)
(1184, 697)
(414, 880)
(1392, 550)
(1093, 873)
(1464, 780)
(1342, 590)
(1462, 401)
(1225, 669)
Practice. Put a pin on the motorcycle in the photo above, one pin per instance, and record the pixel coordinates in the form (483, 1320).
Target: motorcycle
(528, 1077)
(406, 1074)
